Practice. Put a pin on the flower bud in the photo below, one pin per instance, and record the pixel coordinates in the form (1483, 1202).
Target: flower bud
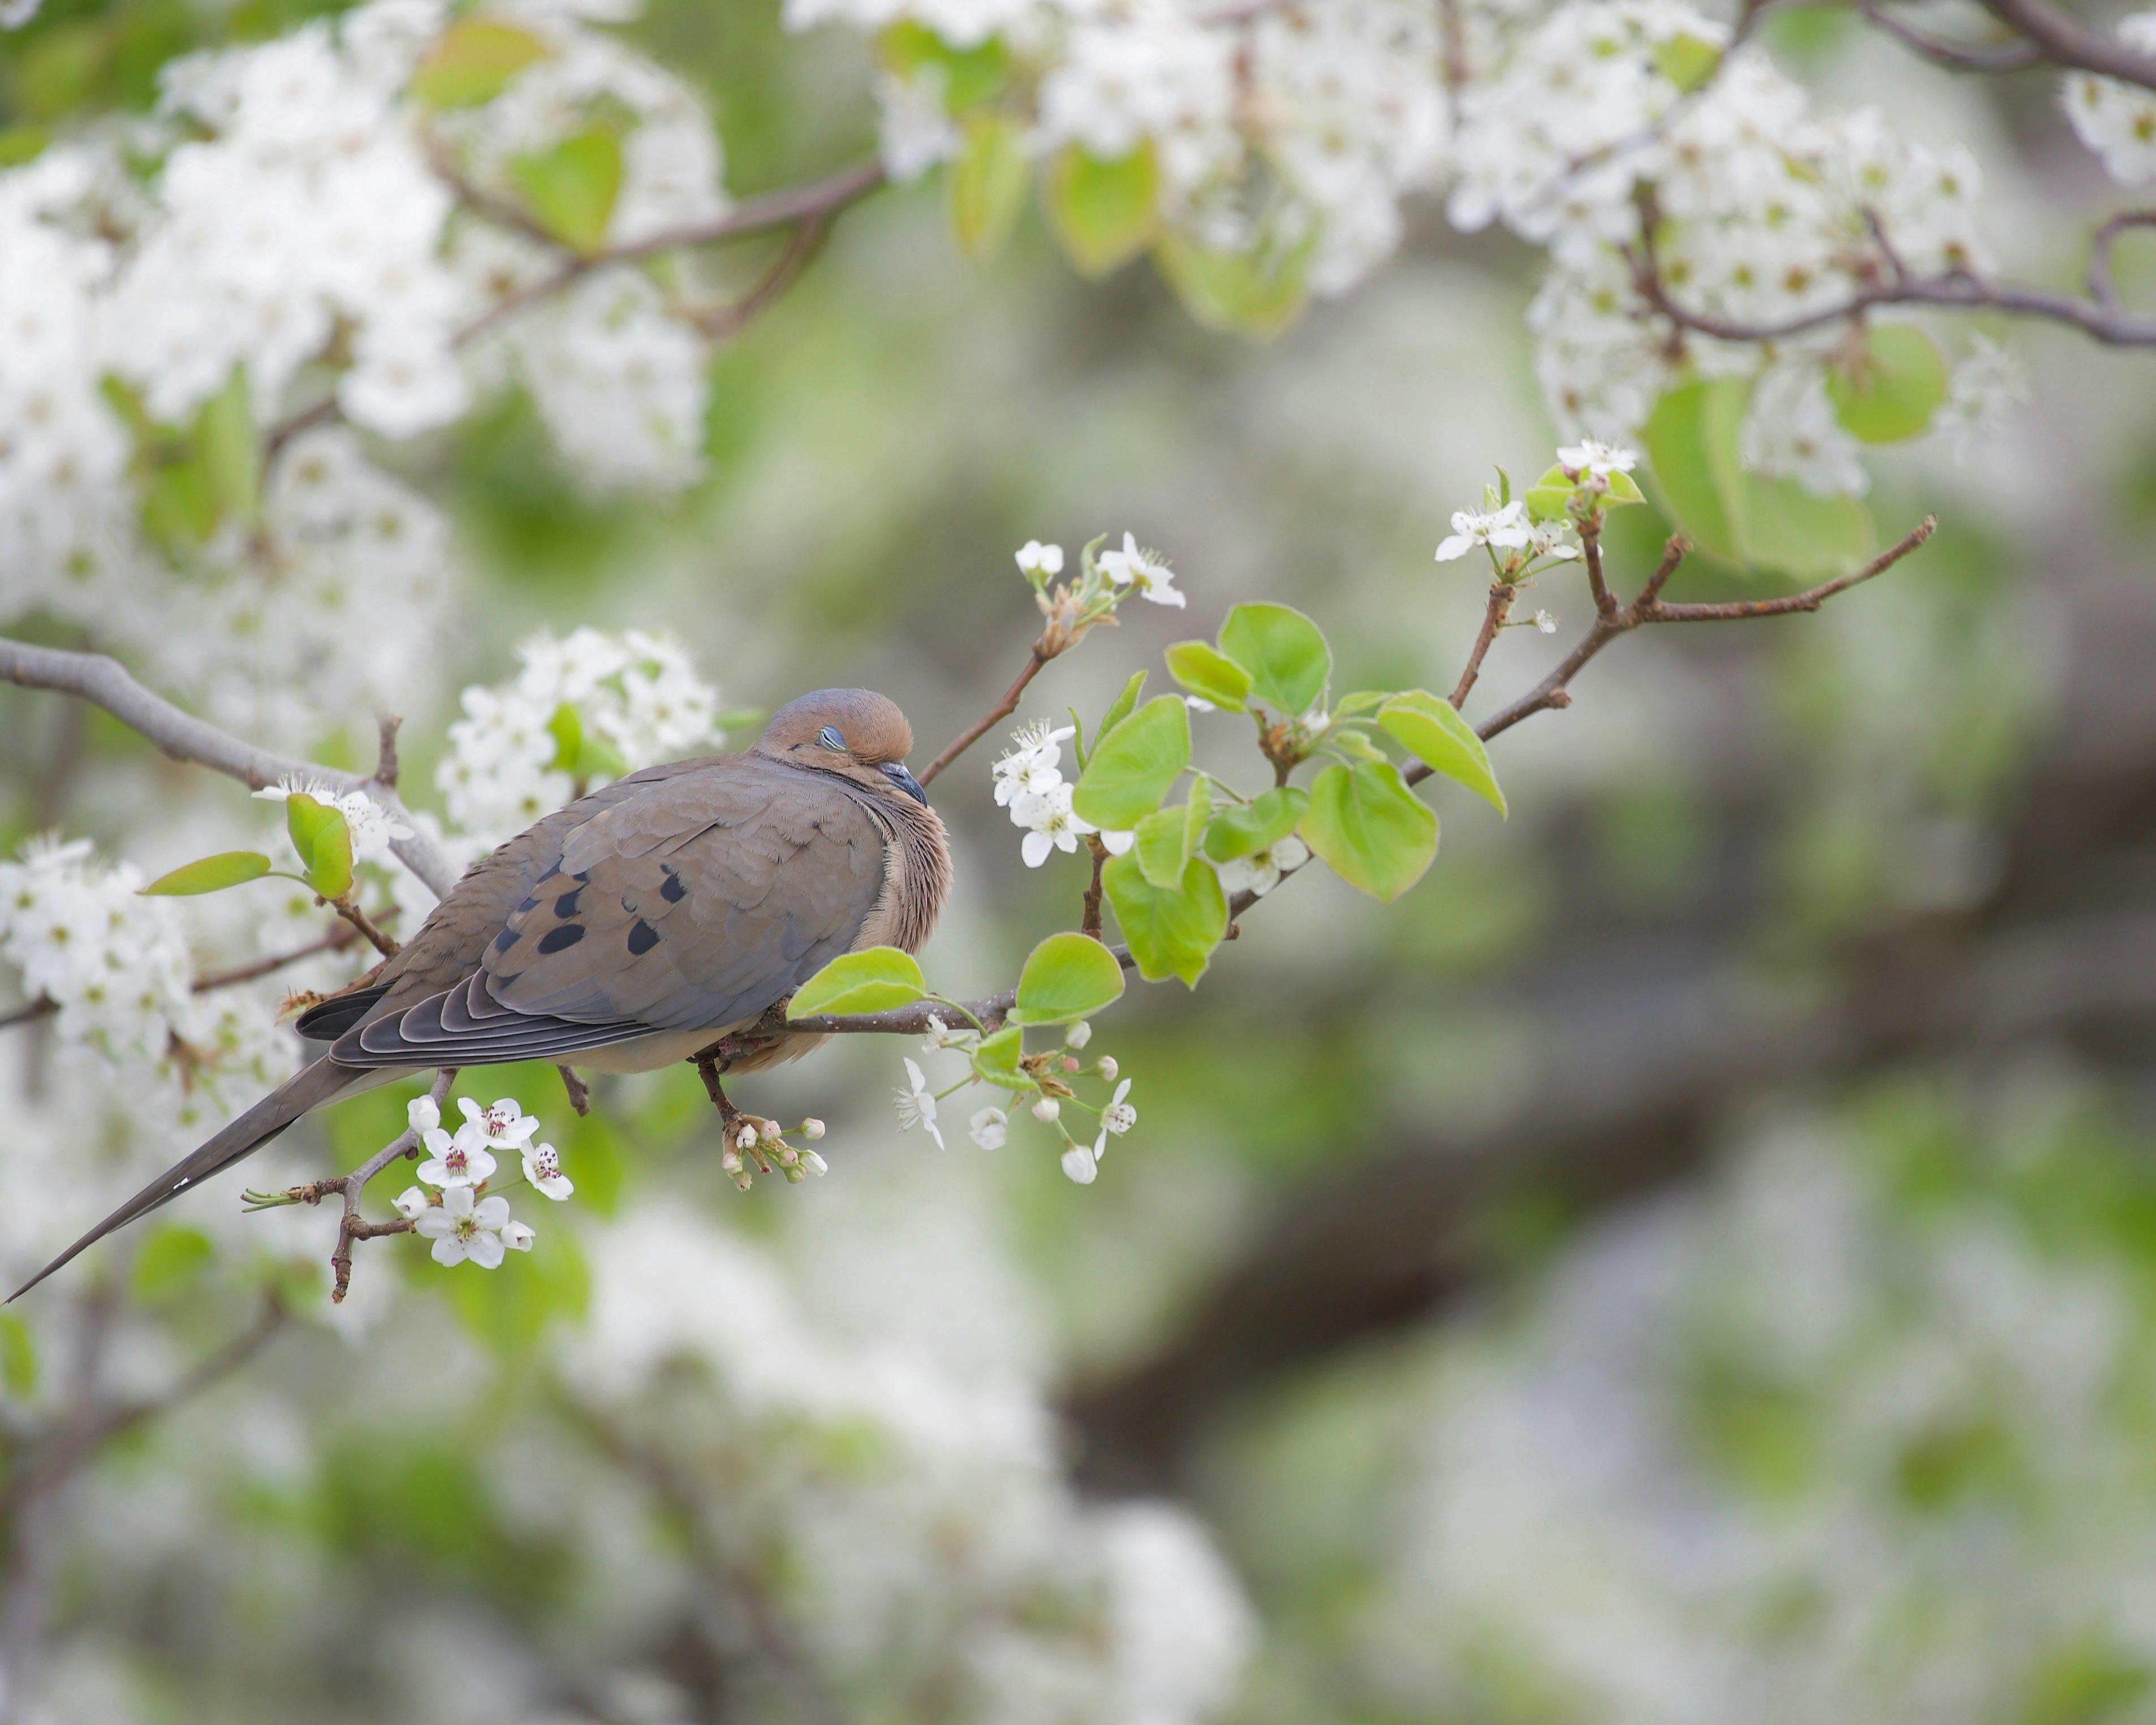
(747, 1137)
(1078, 1035)
(1108, 1068)
(814, 1164)
(1046, 1109)
(812, 1130)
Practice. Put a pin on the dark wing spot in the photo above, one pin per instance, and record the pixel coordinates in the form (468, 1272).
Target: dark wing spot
(554, 869)
(580, 876)
(566, 905)
(556, 939)
(530, 903)
(504, 940)
(672, 891)
(642, 937)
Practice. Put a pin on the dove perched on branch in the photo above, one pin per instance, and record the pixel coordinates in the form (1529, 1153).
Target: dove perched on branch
(638, 927)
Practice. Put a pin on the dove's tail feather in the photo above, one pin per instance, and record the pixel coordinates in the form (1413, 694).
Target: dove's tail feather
(312, 1086)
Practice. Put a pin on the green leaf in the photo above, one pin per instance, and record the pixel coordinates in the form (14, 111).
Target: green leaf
(1132, 765)
(1364, 821)
(988, 184)
(1549, 498)
(996, 1058)
(1209, 673)
(1284, 652)
(566, 728)
(1163, 845)
(1355, 745)
(1102, 211)
(1740, 517)
(1120, 709)
(1686, 61)
(1243, 828)
(472, 62)
(324, 842)
(179, 508)
(572, 187)
(1433, 731)
(211, 874)
(231, 451)
(1360, 701)
(874, 979)
(970, 75)
(19, 1358)
(1171, 931)
(1242, 292)
(172, 1258)
(1068, 975)
(1890, 388)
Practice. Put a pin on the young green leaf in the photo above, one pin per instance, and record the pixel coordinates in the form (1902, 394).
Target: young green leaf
(1687, 61)
(874, 979)
(1132, 766)
(1890, 388)
(231, 451)
(323, 841)
(1433, 731)
(1102, 211)
(1068, 975)
(571, 188)
(1172, 932)
(173, 1258)
(472, 62)
(1363, 700)
(1122, 707)
(1243, 828)
(969, 75)
(566, 728)
(1162, 846)
(1237, 291)
(1374, 831)
(211, 874)
(988, 184)
(996, 1058)
(1209, 673)
(1284, 652)
(19, 1358)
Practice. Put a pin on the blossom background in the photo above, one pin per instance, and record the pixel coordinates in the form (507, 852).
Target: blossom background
(1691, 1259)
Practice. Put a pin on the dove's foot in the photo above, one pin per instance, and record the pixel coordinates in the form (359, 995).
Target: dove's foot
(750, 1138)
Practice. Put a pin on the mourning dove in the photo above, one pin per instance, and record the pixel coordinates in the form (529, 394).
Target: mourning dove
(636, 927)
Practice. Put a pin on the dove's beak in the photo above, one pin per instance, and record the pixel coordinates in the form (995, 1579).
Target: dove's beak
(896, 772)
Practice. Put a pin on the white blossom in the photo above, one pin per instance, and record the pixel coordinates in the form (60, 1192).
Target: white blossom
(502, 1123)
(989, 1128)
(463, 1227)
(1119, 1116)
(1504, 529)
(1145, 570)
(1261, 870)
(463, 1160)
(1080, 1163)
(542, 1169)
(1035, 559)
(917, 1104)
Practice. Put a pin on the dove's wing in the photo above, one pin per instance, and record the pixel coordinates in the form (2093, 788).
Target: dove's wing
(693, 903)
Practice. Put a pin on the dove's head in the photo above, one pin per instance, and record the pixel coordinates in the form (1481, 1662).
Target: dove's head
(855, 733)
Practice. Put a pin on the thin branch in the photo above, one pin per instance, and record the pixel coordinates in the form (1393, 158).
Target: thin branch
(1502, 595)
(347, 907)
(996, 715)
(2101, 287)
(1955, 56)
(1090, 923)
(105, 682)
(386, 764)
(725, 322)
(2068, 42)
(1590, 545)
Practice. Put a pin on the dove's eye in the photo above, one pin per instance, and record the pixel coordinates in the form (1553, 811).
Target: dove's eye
(831, 739)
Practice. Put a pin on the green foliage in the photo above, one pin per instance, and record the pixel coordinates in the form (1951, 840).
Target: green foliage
(1284, 652)
(1169, 838)
(18, 1358)
(1122, 707)
(989, 182)
(1433, 731)
(1686, 61)
(1549, 498)
(472, 62)
(1102, 211)
(1243, 829)
(1742, 517)
(1887, 388)
(1068, 975)
(1132, 765)
(211, 874)
(231, 451)
(970, 75)
(873, 980)
(324, 842)
(1246, 293)
(1209, 673)
(570, 189)
(1171, 931)
(581, 753)
(1377, 835)
(173, 1259)
(996, 1058)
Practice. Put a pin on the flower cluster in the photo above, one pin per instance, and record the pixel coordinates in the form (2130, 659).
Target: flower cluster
(1046, 1077)
(1029, 783)
(583, 709)
(465, 1221)
(2117, 121)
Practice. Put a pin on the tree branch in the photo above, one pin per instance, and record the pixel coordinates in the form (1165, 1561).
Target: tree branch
(996, 715)
(105, 682)
(1955, 56)
(2068, 42)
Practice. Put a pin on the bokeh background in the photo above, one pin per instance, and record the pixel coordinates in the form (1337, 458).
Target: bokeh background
(1693, 1259)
